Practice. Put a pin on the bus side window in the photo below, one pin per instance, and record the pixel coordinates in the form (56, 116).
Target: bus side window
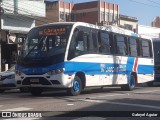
(93, 41)
(146, 48)
(133, 48)
(104, 42)
(121, 47)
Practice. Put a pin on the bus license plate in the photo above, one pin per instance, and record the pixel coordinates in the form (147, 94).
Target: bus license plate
(34, 80)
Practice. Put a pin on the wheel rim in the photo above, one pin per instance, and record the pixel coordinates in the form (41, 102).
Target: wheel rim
(76, 86)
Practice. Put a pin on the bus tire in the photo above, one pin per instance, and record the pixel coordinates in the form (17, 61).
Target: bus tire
(36, 91)
(23, 89)
(1, 90)
(131, 85)
(150, 84)
(76, 88)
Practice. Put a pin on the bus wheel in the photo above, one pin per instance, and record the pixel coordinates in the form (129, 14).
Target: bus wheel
(76, 88)
(131, 85)
(150, 84)
(1, 90)
(23, 89)
(36, 91)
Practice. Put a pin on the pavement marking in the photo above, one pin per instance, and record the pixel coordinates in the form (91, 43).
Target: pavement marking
(17, 109)
(70, 104)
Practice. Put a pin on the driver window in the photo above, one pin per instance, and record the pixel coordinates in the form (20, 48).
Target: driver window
(78, 45)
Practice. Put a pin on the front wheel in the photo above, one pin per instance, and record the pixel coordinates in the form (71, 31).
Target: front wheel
(76, 88)
(131, 85)
(36, 91)
(1, 90)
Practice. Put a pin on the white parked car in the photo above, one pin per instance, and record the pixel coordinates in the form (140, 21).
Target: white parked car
(7, 80)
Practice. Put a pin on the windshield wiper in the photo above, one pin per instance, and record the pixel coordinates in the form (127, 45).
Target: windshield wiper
(34, 46)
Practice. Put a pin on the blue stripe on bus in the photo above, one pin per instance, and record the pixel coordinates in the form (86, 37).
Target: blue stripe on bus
(91, 68)
(130, 63)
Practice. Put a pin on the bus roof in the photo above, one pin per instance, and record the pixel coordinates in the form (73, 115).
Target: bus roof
(109, 28)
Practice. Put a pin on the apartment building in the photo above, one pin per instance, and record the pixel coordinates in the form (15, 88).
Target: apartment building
(95, 12)
(128, 22)
(156, 22)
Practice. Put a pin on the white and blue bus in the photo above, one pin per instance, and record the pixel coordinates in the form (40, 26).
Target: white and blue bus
(76, 55)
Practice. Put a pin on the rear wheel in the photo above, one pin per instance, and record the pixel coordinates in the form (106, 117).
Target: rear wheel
(1, 91)
(131, 85)
(76, 88)
(36, 91)
(150, 84)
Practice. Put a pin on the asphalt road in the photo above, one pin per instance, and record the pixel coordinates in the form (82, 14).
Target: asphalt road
(107, 104)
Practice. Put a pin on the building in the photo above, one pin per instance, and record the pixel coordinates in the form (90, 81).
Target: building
(17, 18)
(56, 11)
(128, 22)
(156, 22)
(95, 12)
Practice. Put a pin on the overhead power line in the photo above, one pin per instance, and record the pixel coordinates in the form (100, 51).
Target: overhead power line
(154, 2)
(149, 5)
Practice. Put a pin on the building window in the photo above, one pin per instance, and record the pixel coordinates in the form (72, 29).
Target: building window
(110, 17)
(62, 16)
(102, 16)
(129, 27)
(68, 17)
(73, 16)
(107, 16)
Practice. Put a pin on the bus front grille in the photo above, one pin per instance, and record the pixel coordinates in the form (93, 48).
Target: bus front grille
(35, 80)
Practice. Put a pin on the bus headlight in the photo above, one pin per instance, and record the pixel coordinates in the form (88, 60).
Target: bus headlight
(57, 71)
(18, 73)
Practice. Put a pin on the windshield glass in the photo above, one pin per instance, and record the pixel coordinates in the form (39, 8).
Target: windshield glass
(46, 41)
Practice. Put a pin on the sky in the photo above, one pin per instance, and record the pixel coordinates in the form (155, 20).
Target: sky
(144, 10)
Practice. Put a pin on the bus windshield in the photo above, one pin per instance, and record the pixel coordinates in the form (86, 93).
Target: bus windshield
(45, 42)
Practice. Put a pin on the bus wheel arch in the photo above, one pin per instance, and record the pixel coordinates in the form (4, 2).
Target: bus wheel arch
(81, 75)
(78, 84)
(132, 81)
